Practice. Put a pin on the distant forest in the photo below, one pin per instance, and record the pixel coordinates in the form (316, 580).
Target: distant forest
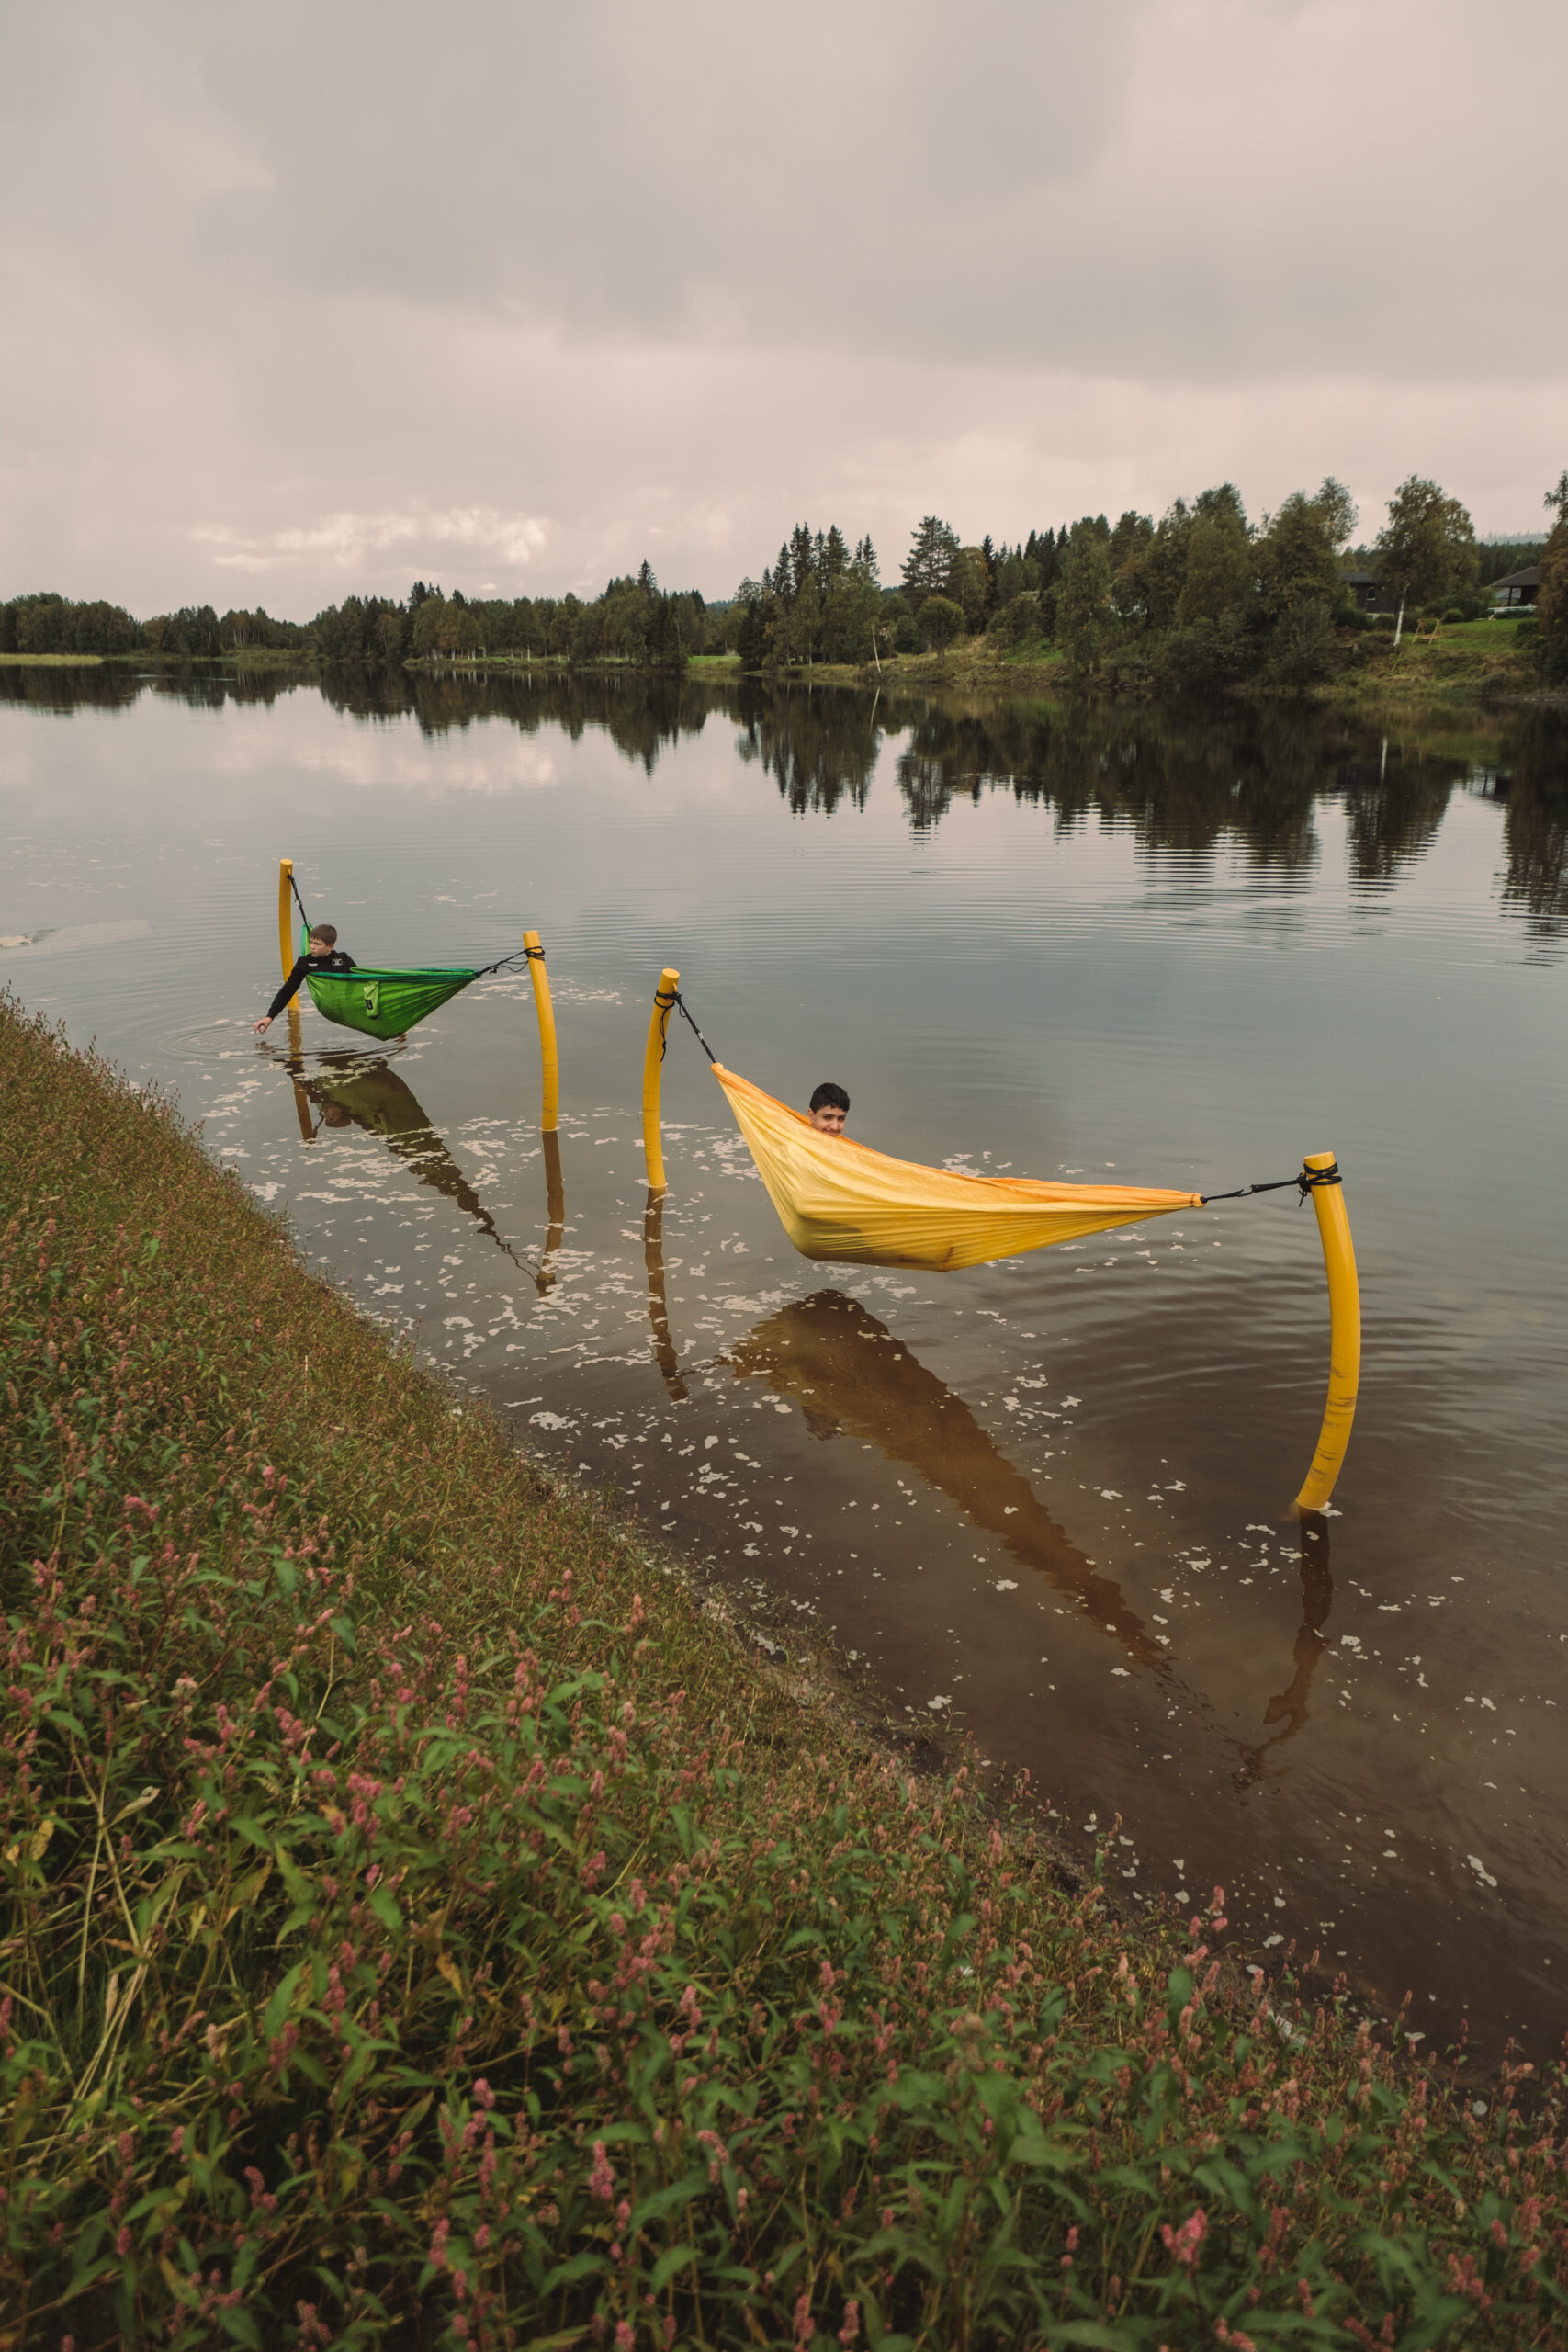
(1201, 598)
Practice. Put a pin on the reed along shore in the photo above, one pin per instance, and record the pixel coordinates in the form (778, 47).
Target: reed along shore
(421, 1924)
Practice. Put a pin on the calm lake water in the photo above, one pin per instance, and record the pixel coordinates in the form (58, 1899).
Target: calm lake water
(1048, 1501)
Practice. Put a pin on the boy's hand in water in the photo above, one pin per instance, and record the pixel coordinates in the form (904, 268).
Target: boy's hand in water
(265, 1023)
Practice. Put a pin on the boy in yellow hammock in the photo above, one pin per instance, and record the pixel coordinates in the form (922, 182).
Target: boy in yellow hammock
(829, 1109)
(857, 1206)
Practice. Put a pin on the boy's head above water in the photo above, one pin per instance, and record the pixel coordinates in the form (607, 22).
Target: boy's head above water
(829, 1109)
(324, 938)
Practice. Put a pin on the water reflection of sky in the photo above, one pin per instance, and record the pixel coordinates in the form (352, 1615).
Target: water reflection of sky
(1044, 1502)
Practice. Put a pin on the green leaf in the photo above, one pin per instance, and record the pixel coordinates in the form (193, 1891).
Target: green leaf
(386, 1909)
(674, 2258)
(282, 2001)
(664, 2200)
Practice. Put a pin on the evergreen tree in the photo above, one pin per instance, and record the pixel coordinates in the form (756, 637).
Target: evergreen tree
(930, 561)
(802, 558)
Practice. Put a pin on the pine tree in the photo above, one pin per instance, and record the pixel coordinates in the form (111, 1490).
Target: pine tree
(930, 561)
(802, 557)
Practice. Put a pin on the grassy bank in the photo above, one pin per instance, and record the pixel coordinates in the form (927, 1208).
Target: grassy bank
(1464, 663)
(51, 660)
(421, 1924)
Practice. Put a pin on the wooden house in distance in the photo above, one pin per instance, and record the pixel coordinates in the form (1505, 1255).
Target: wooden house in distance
(1519, 589)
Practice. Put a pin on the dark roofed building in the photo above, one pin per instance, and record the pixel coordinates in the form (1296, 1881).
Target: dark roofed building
(1519, 588)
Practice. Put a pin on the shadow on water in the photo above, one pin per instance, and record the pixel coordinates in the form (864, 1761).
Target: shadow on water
(1288, 1707)
(658, 1302)
(853, 1377)
(350, 1089)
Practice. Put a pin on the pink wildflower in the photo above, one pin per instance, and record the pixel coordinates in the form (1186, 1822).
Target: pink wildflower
(1182, 2245)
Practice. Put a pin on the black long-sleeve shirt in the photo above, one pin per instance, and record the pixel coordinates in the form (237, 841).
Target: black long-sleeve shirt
(336, 962)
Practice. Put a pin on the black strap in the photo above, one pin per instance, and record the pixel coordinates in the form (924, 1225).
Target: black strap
(534, 951)
(680, 1000)
(504, 963)
(1307, 1181)
(297, 899)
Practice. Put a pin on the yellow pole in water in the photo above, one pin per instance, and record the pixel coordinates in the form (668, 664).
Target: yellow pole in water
(1344, 1332)
(652, 1066)
(546, 1013)
(284, 884)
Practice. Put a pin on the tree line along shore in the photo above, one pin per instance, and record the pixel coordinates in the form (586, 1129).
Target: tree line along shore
(424, 1922)
(1201, 601)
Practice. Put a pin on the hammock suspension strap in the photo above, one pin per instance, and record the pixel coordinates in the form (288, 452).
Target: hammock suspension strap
(297, 899)
(1307, 1181)
(678, 999)
(504, 963)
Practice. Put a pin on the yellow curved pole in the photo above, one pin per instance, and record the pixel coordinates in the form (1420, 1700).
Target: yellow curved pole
(652, 1066)
(284, 884)
(1344, 1333)
(546, 1013)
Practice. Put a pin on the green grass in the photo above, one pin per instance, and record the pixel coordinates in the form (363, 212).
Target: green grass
(50, 660)
(422, 1925)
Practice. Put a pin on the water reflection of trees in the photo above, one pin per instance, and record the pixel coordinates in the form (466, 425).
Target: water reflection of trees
(1533, 789)
(1182, 779)
(818, 749)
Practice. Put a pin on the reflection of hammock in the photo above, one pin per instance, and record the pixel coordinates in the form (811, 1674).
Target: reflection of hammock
(384, 1003)
(841, 1200)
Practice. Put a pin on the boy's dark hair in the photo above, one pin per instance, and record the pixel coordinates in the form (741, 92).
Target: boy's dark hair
(327, 931)
(829, 1093)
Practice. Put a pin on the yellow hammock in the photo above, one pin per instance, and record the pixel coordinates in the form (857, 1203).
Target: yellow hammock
(840, 1199)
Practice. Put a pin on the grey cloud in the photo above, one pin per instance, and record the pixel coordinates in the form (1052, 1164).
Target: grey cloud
(517, 292)
(1148, 187)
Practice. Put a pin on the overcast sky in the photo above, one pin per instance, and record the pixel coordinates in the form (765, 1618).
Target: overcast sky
(307, 299)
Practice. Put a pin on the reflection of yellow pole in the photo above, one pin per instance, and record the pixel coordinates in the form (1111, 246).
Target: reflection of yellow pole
(295, 1065)
(555, 1207)
(1344, 1334)
(284, 884)
(657, 1304)
(652, 1065)
(546, 1013)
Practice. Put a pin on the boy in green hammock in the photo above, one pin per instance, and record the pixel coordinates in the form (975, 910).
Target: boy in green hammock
(324, 955)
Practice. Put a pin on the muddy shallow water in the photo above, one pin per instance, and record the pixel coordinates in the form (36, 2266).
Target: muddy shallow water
(1047, 1502)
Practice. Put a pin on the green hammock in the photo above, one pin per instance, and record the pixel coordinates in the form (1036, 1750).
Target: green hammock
(384, 1003)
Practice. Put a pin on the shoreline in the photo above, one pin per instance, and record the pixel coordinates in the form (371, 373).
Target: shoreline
(515, 1899)
(1424, 679)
